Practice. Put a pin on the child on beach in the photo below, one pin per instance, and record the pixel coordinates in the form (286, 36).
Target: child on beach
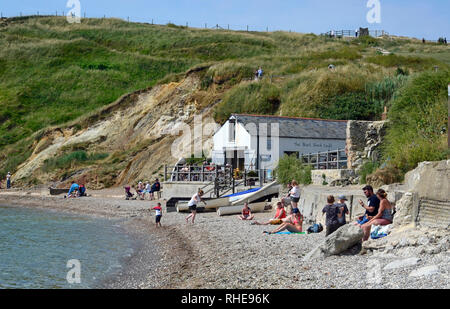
(343, 210)
(246, 213)
(331, 210)
(158, 217)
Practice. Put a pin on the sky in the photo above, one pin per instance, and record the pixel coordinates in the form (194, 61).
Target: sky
(414, 18)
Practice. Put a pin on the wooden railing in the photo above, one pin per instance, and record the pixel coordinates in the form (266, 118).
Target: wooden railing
(223, 179)
(352, 33)
(333, 159)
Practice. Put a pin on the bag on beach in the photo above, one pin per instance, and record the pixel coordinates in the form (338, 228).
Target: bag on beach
(316, 228)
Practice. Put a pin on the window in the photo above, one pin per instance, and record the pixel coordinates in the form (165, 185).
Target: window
(269, 143)
(232, 131)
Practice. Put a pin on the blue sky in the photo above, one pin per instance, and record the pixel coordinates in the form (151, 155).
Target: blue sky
(415, 18)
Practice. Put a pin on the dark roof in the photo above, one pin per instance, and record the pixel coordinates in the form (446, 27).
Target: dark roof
(300, 127)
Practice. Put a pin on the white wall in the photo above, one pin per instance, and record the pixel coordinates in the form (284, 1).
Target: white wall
(248, 143)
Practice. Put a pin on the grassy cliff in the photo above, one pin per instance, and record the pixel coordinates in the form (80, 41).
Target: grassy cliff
(53, 72)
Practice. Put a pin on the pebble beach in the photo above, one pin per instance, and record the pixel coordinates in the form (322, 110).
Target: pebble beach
(226, 253)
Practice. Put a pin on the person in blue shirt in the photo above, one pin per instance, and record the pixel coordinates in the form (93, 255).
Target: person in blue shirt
(73, 189)
(156, 187)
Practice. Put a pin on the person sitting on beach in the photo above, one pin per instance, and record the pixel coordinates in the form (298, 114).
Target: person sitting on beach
(195, 200)
(373, 204)
(384, 217)
(156, 187)
(279, 216)
(73, 190)
(147, 189)
(295, 224)
(246, 213)
(158, 216)
(331, 210)
(140, 190)
(82, 191)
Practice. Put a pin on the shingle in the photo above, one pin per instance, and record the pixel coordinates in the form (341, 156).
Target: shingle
(300, 127)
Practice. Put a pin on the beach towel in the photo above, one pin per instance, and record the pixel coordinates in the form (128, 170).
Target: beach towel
(290, 233)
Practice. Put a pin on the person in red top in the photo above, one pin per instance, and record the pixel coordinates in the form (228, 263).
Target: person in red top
(246, 213)
(294, 226)
(158, 217)
(279, 216)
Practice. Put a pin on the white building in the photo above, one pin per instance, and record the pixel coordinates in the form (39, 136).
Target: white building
(245, 138)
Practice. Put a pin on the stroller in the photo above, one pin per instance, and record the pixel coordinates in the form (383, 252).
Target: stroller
(128, 194)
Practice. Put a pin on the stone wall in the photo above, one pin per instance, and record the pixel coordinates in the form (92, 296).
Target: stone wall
(427, 198)
(333, 177)
(364, 139)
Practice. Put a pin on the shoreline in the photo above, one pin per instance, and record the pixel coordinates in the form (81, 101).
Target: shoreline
(150, 246)
(226, 253)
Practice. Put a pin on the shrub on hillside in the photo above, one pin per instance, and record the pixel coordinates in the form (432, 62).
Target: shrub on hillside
(289, 168)
(74, 158)
(228, 72)
(418, 122)
(252, 98)
(392, 61)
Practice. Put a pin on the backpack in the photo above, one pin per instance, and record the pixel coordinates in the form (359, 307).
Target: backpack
(316, 228)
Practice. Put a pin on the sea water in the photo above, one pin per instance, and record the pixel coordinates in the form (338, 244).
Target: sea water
(36, 246)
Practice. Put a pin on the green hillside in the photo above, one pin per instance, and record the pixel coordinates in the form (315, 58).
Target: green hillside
(52, 72)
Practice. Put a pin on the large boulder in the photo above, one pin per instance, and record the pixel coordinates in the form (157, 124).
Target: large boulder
(344, 238)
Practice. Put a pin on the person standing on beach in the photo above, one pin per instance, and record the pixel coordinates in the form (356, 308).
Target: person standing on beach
(195, 200)
(331, 210)
(294, 194)
(158, 216)
(343, 210)
(8, 181)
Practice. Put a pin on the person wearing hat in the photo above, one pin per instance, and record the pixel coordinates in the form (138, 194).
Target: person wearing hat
(343, 210)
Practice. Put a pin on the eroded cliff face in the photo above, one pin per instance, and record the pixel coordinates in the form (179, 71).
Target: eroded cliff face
(138, 132)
